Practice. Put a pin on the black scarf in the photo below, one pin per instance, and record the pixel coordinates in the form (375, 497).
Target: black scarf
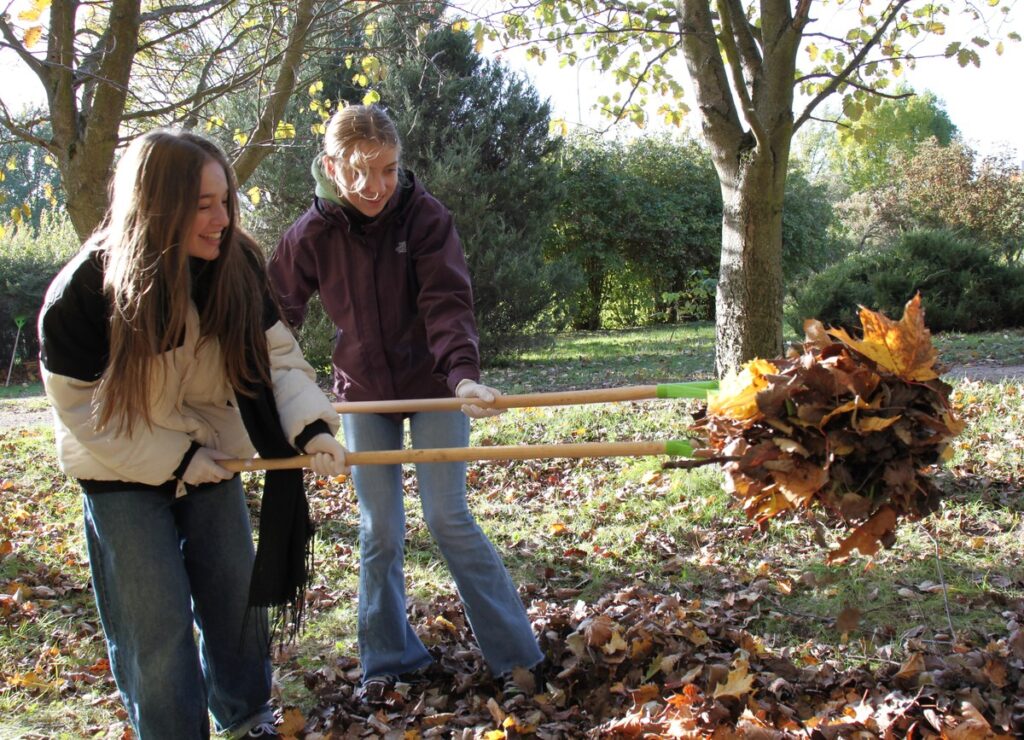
(284, 554)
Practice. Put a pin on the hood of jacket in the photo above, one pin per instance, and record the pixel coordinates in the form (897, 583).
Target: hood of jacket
(324, 186)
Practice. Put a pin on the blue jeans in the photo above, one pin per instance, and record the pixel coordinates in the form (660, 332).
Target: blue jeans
(160, 564)
(387, 643)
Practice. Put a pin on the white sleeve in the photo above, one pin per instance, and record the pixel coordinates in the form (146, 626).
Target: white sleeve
(300, 401)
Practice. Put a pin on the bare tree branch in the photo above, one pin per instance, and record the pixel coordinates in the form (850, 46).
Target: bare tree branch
(262, 137)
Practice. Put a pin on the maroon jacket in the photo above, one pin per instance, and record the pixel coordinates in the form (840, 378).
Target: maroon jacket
(396, 287)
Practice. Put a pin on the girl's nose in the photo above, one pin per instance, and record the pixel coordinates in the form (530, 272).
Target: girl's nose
(374, 186)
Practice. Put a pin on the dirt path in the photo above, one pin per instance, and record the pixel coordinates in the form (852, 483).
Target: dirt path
(19, 413)
(987, 373)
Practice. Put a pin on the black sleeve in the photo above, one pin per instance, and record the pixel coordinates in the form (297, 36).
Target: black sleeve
(312, 430)
(74, 333)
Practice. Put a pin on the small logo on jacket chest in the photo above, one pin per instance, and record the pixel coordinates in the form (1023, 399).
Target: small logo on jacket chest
(401, 248)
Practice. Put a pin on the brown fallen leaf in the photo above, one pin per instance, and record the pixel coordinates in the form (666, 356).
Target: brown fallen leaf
(848, 619)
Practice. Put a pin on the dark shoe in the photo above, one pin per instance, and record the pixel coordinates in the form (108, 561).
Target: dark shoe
(264, 731)
(377, 692)
(521, 682)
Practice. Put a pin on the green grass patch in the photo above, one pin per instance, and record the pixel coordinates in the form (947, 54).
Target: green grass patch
(22, 390)
(603, 359)
(995, 347)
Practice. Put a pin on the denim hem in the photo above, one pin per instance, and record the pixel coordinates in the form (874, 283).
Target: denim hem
(398, 677)
(266, 714)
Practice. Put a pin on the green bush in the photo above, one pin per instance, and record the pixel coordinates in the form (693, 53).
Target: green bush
(29, 260)
(317, 338)
(962, 286)
(636, 218)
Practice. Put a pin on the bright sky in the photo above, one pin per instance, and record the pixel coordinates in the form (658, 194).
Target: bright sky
(985, 103)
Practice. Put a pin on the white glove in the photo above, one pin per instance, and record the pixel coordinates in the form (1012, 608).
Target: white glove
(328, 456)
(470, 389)
(203, 467)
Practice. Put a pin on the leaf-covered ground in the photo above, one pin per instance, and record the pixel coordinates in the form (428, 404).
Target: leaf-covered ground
(663, 611)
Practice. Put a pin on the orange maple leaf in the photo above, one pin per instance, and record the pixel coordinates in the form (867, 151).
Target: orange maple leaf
(293, 721)
(903, 347)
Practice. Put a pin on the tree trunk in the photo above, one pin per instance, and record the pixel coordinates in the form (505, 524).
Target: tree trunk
(589, 315)
(747, 120)
(86, 122)
(748, 303)
(84, 175)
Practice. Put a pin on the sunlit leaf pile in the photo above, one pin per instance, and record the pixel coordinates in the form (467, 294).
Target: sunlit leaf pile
(854, 427)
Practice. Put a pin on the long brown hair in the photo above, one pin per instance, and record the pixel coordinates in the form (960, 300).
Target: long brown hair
(154, 197)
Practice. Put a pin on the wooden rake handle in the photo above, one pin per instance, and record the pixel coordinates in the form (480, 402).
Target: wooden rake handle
(467, 454)
(695, 389)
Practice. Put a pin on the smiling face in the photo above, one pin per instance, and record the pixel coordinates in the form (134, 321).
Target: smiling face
(368, 180)
(212, 214)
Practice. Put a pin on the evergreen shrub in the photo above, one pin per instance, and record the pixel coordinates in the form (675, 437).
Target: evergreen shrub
(962, 285)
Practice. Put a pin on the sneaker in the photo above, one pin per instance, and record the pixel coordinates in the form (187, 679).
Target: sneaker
(377, 692)
(265, 730)
(521, 682)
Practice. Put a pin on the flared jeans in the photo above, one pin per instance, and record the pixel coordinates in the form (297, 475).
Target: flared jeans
(388, 645)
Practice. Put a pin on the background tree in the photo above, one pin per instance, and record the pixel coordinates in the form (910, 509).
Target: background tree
(114, 68)
(747, 64)
(938, 187)
(812, 235)
(640, 219)
(869, 146)
(29, 183)
(477, 135)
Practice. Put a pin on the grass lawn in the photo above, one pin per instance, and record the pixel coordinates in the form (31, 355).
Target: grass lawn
(572, 531)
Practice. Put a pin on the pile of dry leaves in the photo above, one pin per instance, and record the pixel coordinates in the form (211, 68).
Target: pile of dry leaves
(854, 427)
(641, 664)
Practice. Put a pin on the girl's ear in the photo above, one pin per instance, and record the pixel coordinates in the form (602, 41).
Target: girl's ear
(328, 164)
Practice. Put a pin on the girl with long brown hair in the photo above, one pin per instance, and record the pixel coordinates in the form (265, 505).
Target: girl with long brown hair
(162, 354)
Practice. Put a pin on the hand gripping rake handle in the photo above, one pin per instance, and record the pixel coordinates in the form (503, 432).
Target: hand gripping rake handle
(681, 448)
(694, 389)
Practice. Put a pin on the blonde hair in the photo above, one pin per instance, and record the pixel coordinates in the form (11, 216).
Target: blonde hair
(351, 126)
(154, 197)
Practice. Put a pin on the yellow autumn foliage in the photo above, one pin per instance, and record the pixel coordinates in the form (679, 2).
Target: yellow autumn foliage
(737, 393)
